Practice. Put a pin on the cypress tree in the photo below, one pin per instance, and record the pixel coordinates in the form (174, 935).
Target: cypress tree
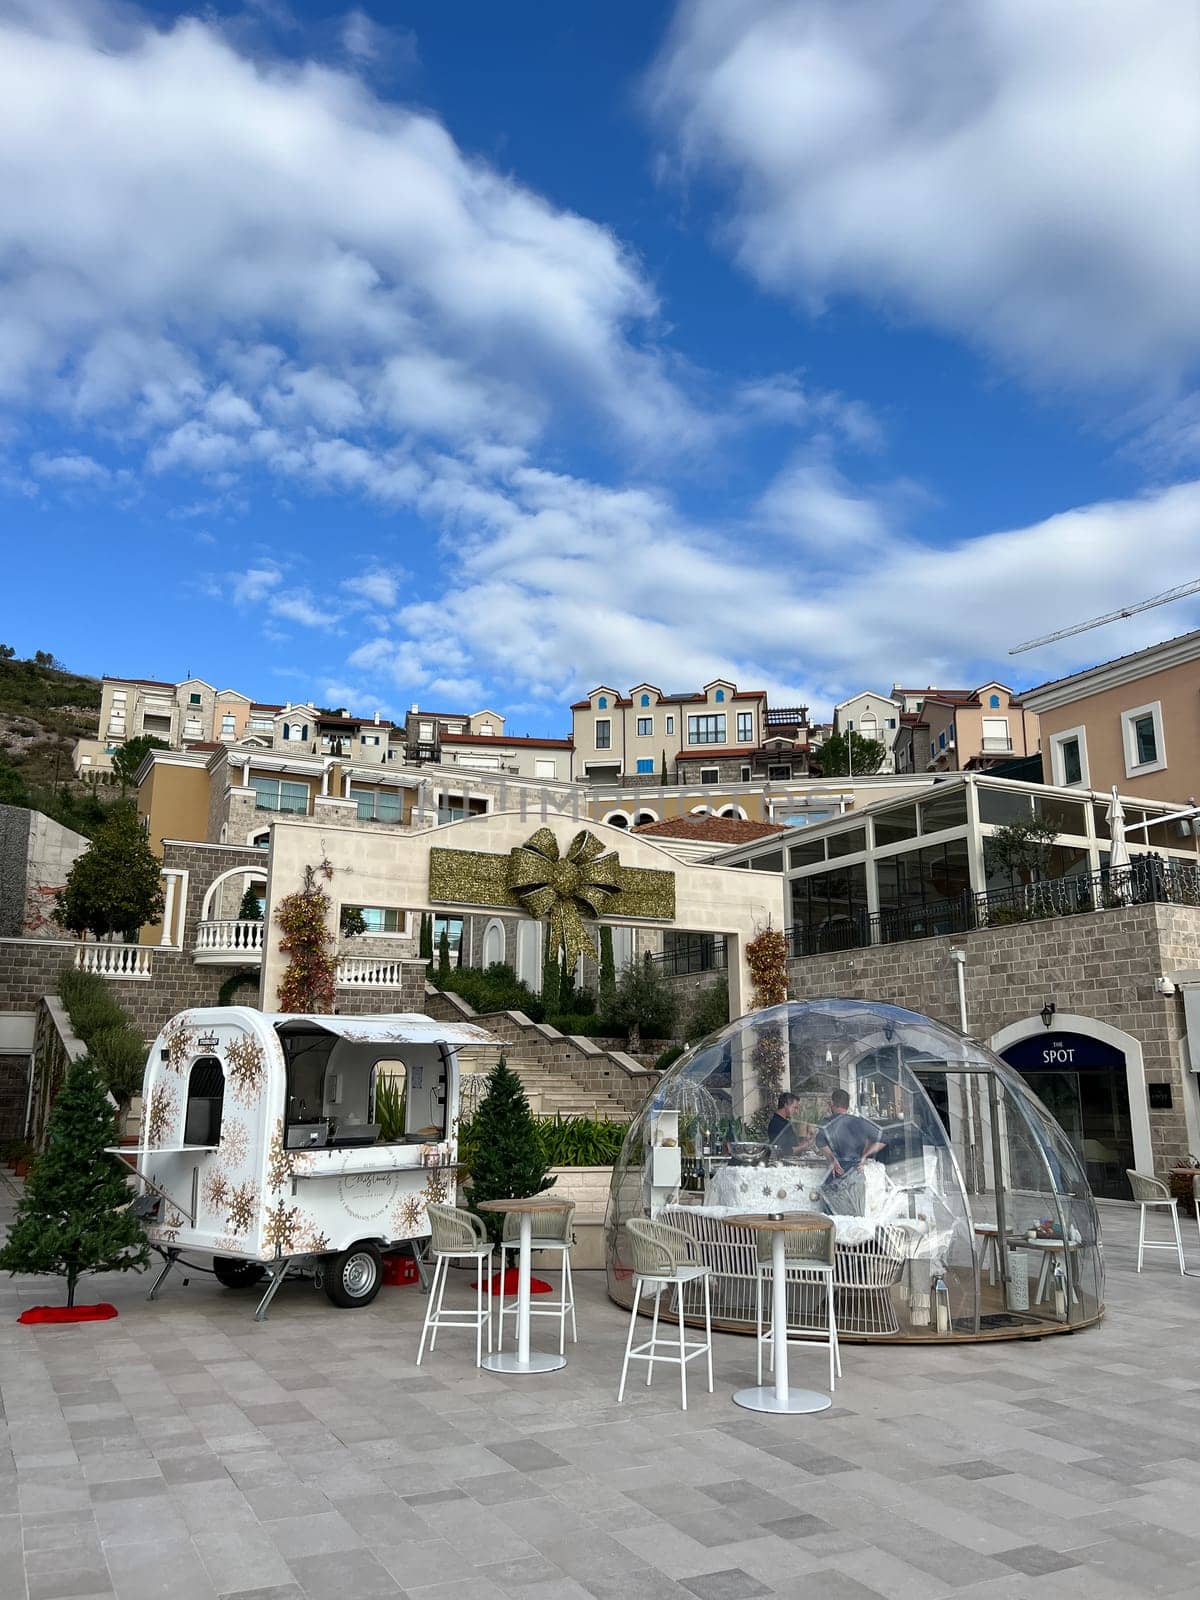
(550, 975)
(73, 1216)
(443, 964)
(425, 948)
(462, 945)
(566, 986)
(608, 971)
(663, 777)
(508, 1160)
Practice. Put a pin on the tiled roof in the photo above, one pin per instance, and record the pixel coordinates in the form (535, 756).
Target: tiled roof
(264, 705)
(717, 830)
(713, 753)
(144, 683)
(621, 702)
(502, 739)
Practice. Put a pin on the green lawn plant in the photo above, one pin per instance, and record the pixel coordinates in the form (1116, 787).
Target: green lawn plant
(73, 1216)
(581, 1141)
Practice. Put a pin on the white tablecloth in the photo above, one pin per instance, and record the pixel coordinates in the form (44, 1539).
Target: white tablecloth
(766, 1188)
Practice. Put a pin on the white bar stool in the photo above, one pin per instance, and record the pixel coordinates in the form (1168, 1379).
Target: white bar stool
(552, 1234)
(458, 1236)
(665, 1258)
(808, 1259)
(1152, 1194)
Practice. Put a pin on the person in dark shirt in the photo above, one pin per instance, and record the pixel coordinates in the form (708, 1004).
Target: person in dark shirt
(847, 1141)
(781, 1130)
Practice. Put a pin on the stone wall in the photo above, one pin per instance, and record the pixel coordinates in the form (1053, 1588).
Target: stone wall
(14, 853)
(1102, 965)
(30, 968)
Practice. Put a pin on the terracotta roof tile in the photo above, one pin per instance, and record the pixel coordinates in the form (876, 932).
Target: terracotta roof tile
(715, 830)
(502, 739)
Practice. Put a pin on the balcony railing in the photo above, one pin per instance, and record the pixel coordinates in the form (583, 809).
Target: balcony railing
(369, 972)
(229, 939)
(1149, 880)
(704, 953)
(115, 960)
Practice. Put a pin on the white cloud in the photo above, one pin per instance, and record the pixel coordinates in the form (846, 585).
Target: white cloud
(194, 197)
(1021, 173)
(255, 584)
(301, 607)
(70, 467)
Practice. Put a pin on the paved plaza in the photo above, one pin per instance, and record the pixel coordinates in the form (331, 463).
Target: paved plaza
(184, 1451)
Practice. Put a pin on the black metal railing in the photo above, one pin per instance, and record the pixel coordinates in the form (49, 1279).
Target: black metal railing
(704, 953)
(1150, 879)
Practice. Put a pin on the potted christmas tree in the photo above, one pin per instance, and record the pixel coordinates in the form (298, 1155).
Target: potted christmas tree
(73, 1216)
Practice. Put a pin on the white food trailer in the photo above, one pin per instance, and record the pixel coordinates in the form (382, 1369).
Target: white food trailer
(261, 1143)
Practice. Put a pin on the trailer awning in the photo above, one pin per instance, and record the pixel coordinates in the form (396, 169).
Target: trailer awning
(402, 1028)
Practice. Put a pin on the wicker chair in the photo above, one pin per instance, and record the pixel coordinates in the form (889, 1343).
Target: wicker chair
(1151, 1193)
(552, 1235)
(663, 1257)
(457, 1236)
(808, 1264)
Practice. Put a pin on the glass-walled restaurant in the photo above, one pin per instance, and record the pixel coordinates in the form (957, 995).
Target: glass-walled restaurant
(950, 862)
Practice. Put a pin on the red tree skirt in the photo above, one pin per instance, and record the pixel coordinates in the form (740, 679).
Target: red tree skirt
(100, 1313)
(511, 1279)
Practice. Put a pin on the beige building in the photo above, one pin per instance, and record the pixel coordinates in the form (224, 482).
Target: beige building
(1133, 722)
(871, 716)
(964, 730)
(545, 759)
(645, 734)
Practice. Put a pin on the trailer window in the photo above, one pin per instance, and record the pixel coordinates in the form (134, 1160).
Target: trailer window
(205, 1102)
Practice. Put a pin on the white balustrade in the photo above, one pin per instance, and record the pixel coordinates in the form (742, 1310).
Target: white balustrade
(115, 960)
(369, 972)
(229, 936)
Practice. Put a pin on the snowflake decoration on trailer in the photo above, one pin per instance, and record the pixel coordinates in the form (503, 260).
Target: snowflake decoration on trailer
(408, 1217)
(280, 1165)
(241, 1207)
(178, 1042)
(234, 1142)
(245, 1070)
(216, 1191)
(160, 1116)
(437, 1190)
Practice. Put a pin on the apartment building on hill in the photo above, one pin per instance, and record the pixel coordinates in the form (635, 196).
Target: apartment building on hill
(962, 730)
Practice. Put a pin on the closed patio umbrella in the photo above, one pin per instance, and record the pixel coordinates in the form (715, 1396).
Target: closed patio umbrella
(1118, 854)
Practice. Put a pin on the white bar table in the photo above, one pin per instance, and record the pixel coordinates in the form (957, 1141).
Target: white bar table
(523, 1359)
(780, 1396)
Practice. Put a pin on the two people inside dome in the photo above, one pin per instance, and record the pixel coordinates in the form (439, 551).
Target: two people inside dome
(846, 1141)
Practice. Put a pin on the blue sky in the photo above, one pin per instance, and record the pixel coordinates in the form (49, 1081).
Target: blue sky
(465, 354)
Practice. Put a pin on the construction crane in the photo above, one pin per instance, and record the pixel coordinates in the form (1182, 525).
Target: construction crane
(1163, 599)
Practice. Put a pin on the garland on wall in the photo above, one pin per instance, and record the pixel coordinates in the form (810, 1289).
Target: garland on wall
(766, 957)
(303, 917)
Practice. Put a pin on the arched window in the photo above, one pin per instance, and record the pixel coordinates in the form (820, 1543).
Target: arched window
(720, 695)
(643, 817)
(645, 699)
(617, 819)
(205, 1102)
(287, 730)
(993, 702)
(602, 703)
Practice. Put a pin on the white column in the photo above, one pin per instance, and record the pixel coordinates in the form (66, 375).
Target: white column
(246, 773)
(325, 767)
(168, 907)
(346, 784)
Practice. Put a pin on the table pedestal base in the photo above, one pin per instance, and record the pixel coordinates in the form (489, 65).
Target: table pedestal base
(765, 1399)
(510, 1361)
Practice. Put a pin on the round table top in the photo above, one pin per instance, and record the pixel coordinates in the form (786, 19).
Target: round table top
(788, 1221)
(533, 1202)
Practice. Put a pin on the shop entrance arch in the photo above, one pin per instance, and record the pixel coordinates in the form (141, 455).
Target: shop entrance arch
(1090, 1077)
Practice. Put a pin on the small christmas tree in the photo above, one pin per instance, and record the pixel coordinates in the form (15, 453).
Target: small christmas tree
(73, 1216)
(508, 1161)
(443, 966)
(550, 975)
(251, 908)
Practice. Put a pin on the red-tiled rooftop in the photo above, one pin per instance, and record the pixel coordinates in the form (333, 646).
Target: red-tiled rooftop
(502, 739)
(711, 830)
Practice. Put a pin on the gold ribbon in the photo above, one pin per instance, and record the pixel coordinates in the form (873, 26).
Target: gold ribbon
(564, 888)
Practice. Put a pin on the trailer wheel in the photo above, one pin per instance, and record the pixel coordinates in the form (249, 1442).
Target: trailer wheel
(236, 1274)
(352, 1277)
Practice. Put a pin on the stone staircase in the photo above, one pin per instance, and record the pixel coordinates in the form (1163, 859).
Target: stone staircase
(562, 1074)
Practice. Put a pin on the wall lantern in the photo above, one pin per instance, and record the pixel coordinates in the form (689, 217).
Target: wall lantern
(1048, 1011)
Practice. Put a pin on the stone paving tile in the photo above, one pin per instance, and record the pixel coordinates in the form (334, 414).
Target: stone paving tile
(185, 1450)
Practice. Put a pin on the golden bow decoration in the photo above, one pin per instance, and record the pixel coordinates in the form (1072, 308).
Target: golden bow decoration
(553, 885)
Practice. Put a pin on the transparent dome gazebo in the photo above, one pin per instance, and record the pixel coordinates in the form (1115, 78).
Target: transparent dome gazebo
(973, 1221)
